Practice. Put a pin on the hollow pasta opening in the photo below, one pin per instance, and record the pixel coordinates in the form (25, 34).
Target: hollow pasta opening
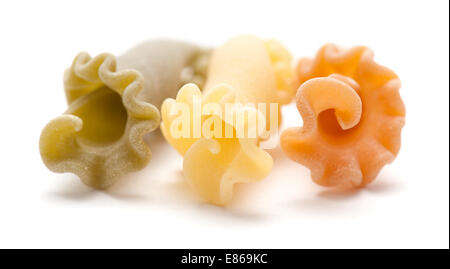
(104, 116)
(331, 131)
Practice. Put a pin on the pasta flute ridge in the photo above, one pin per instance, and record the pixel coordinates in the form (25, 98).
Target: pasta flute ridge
(113, 103)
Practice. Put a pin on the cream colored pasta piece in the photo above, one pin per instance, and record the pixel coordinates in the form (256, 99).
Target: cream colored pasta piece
(353, 116)
(244, 70)
(112, 104)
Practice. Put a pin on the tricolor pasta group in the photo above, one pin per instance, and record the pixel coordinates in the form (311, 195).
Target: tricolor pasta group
(218, 106)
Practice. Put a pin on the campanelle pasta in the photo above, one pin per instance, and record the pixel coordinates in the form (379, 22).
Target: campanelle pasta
(112, 104)
(244, 70)
(352, 113)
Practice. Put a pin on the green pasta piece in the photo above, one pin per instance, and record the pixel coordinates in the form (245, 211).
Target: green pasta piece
(113, 103)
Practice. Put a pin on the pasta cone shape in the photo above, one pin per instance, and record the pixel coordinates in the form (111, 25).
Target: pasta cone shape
(244, 70)
(352, 114)
(112, 104)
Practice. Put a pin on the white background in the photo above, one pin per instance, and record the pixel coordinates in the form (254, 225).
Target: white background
(406, 207)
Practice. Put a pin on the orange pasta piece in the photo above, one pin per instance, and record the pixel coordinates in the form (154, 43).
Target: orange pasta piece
(353, 116)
